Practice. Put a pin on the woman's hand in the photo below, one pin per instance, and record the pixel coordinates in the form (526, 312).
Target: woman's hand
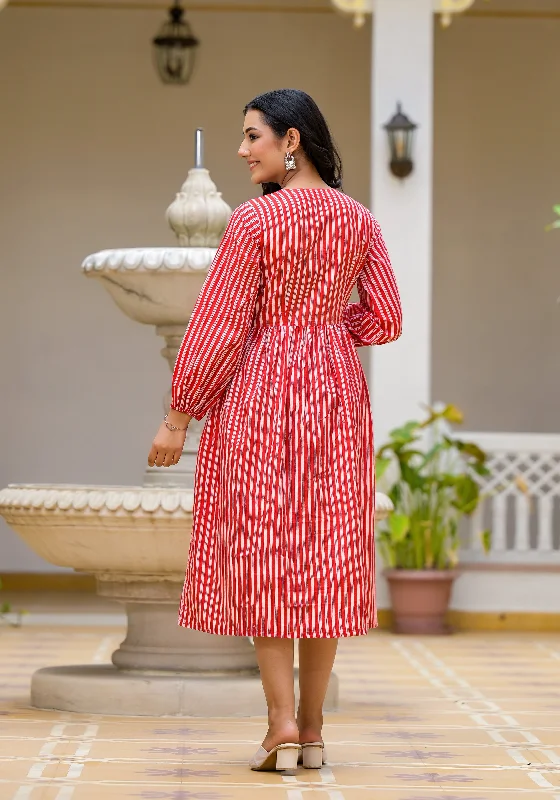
(168, 445)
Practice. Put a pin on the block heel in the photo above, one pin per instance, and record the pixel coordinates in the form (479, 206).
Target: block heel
(282, 757)
(287, 757)
(313, 755)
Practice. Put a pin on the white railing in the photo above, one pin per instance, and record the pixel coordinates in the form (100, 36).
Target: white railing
(523, 511)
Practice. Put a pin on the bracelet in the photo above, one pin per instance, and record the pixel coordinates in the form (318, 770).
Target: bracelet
(171, 427)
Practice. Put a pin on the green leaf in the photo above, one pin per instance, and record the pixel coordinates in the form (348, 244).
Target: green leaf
(399, 526)
(408, 455)
(452, 414)
(486, 539)
(381, 465)
(467, 493)
(470, 449)
(405, 434)
(428, 549)
(555, 224)
(480, 469)
(413, 477)
(556, 210)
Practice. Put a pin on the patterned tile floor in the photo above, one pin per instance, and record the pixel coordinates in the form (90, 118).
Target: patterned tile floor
(468, 717)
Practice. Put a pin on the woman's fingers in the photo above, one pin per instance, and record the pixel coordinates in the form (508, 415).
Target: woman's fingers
(163, 458)
(168, 459)
(166, 448)
(157, 456)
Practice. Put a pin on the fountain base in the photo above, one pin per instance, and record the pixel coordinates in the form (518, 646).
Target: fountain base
(104, 689)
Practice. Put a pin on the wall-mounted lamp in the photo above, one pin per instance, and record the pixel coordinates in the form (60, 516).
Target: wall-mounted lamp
(175, 48)
(400, 130)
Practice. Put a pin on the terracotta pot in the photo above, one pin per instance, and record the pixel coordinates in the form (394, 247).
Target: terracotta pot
(420, 598)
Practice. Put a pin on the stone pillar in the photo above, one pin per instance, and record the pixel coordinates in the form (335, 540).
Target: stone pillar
(402, 64)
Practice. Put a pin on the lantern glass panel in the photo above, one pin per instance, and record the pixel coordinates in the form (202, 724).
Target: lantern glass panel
(175, 63)
(175, 49)
(400, 145)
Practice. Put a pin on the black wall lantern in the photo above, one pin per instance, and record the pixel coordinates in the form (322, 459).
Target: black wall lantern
(401, 132)
(175, 48)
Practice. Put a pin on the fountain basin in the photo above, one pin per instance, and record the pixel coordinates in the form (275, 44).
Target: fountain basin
(152, 285)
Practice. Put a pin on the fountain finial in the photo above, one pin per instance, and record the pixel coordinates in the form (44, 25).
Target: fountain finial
(198, 216)
(199, 149)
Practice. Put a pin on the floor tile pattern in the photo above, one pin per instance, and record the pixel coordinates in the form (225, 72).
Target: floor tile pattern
(467, 717)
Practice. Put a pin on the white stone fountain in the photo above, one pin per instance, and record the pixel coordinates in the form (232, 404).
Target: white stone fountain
(135, 539)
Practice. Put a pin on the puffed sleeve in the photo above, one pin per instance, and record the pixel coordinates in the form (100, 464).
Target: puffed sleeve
(221, 318)
(377, 318)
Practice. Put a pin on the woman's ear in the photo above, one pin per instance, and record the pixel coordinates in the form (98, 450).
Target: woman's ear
(293, 138)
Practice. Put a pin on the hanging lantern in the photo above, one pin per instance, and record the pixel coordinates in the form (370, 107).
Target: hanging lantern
(400, 131)
(175, 48)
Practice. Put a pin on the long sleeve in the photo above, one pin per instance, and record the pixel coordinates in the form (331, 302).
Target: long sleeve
(377, 318)
(221, 318)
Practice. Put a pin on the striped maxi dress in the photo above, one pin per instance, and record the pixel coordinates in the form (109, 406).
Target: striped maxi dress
(283, 518)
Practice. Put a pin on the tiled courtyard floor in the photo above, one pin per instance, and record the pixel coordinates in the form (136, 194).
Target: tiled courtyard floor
(468, 717)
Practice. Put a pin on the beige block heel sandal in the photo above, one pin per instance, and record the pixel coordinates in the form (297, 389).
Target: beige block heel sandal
(313, 755)
(282, 757)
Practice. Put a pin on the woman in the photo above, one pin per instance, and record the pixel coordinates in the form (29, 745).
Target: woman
(282, 546)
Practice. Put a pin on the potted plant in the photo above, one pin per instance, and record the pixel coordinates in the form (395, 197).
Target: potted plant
(431, 478)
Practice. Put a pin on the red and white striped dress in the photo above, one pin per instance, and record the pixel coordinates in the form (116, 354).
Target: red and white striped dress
(283, 520)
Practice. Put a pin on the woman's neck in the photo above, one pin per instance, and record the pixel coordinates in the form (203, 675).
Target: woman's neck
(303, 178)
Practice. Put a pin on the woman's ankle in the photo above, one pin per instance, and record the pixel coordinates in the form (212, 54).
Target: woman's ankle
(310, 727)
(310, 735)
(281, 717)
(281, 730)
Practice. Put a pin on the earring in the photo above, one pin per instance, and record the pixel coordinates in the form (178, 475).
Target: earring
(289, 161)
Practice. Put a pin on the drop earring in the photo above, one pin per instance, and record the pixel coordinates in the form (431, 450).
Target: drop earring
(289, 161)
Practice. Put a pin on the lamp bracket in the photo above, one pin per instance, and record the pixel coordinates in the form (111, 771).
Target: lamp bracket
(446, 8)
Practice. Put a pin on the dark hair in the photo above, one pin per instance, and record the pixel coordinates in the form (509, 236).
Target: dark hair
(283, 109)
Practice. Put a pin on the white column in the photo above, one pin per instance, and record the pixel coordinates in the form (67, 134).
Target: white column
(402, 65)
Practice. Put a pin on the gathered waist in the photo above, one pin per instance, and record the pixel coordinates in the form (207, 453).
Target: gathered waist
(336, 324)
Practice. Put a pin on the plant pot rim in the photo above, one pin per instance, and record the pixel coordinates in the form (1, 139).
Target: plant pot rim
(421, 574)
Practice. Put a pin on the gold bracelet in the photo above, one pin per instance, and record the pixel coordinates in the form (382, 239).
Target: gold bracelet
(171, 427)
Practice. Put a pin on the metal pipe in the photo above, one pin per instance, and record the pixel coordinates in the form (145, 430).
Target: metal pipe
(199, 149)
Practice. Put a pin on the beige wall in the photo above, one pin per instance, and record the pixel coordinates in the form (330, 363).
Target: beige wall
(92, 150)
(496, 320)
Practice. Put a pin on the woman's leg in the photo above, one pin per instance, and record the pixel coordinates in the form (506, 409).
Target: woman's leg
(316, 659)
(276, 664)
